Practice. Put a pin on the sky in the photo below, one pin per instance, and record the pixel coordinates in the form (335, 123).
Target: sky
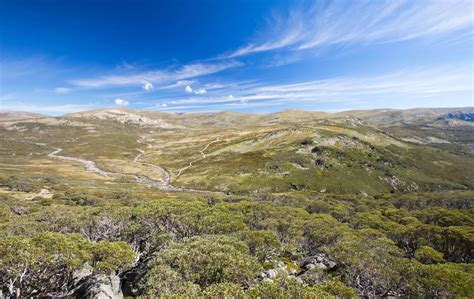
(252, 56)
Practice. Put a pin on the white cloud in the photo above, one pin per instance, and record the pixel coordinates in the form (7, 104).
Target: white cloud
(411, 82)
(48, 109)
(189, 89)
(121, 102)
(184, 82)
(208, 108)
(214, 86)
(147, 86)
(178, 84)
(200, 91)
(6, 98)
(344, 22)
(403, 84)
(156, 77)
(62, 90)
(13, 68)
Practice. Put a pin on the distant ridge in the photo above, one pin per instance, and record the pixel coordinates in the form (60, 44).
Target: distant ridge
(385, 115)
(19, 115)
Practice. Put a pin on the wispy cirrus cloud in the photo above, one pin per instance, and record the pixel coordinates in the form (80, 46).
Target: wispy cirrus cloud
(150, 78)
(15, 68)
(208, 108)
(62, 90)
(403, 84)
(48, 109)
(327, 23)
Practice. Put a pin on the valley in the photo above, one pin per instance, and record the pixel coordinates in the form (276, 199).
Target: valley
(288, 202)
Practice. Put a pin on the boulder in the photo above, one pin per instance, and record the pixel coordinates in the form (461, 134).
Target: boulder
(309, 267)
(261, 275)
(108, 287)
(44, 192)
(272, 273)
(320, 261)
(19, 210)
(321, 164)
(97, 286)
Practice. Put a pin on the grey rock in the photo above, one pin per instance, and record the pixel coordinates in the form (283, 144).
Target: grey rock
(319, 260)
(261, 275)
(321, 266)
(19, 210)
(309, 267)
(272, 273)
(84, 272)
(97, 286)
(331, 264)
(108, 287)
(44, 192)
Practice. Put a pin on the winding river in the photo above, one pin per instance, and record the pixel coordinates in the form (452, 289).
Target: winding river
(165, 184)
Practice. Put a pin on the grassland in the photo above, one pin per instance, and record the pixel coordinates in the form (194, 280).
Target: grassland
(289, 186)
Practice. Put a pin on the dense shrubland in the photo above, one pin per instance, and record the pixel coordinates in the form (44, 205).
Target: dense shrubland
(209, 245)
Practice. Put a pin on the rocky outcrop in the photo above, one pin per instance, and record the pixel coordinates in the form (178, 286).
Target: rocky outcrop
(97, 286)
(126, 116)
(320, 261)
(310, 270)
(281, 270)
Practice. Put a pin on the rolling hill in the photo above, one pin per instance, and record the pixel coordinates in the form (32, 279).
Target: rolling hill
(306, 204)
(363, 152)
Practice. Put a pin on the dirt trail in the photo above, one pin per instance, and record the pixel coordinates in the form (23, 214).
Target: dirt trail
(197, 160)
(165, 183)
(138, 157)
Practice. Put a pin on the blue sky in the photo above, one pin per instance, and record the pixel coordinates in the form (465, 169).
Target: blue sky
(248, 56)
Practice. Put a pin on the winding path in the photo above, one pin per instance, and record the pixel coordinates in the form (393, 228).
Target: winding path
(164, 184)
(197, 160)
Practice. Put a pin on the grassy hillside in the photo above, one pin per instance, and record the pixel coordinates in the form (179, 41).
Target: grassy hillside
(300, 204)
